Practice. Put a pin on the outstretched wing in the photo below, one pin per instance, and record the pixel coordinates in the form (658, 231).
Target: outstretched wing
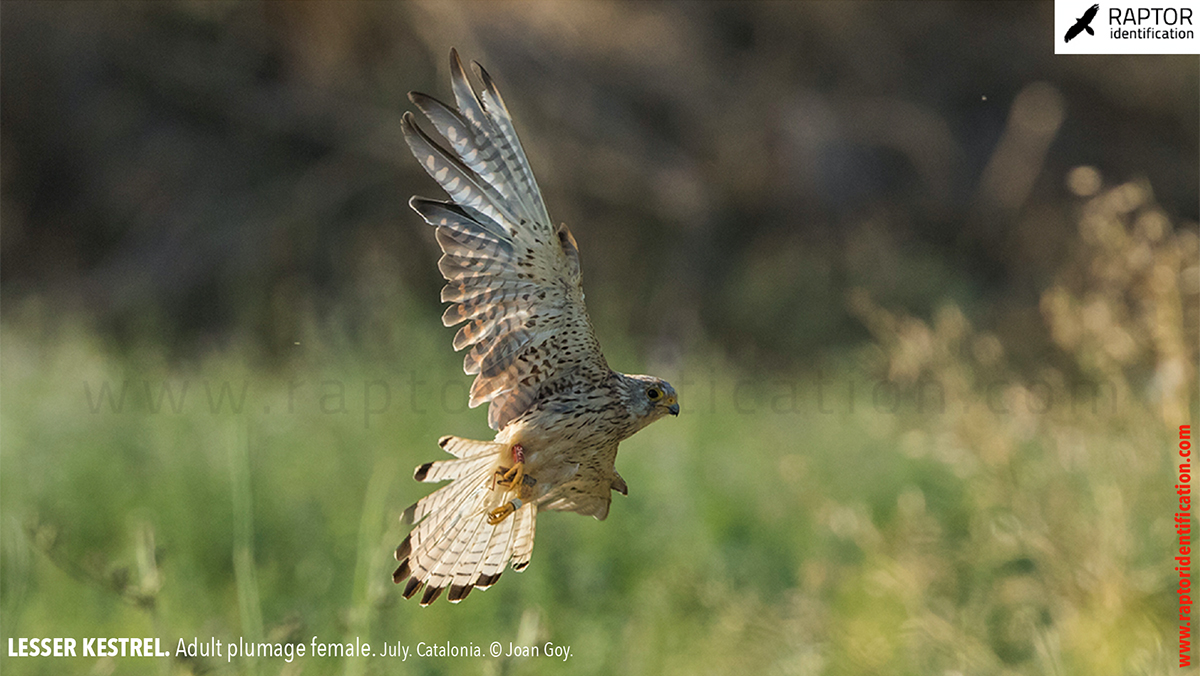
(512, 276)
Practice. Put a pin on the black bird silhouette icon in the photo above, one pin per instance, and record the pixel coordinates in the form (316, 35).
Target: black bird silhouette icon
(1084, 23)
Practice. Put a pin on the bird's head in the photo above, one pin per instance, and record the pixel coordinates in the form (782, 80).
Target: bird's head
(651, 398)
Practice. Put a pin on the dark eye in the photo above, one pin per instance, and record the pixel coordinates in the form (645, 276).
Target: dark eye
(654, 394)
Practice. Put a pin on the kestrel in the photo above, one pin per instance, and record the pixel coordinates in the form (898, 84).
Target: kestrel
(558, 410)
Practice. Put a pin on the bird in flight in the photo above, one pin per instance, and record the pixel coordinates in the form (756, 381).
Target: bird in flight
(1083, 23)
(559, 411)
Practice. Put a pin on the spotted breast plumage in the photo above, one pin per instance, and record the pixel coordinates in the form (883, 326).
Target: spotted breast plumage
(559, 411)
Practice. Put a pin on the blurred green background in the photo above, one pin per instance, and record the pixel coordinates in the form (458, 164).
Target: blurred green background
(928, 293)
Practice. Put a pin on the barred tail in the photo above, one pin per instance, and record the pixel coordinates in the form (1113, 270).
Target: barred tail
(452, 545)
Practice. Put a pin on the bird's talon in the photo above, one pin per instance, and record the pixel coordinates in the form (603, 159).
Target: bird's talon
(501, 513)
(513, 476)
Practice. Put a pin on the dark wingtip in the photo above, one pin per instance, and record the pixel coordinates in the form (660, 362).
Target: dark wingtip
(431, 595)
(402, 572)
(426, 207)
(444, 440)
(408, 125)
(426, 103)
(405, 548)
(459, 592)
(457, 72)
(411, 588)
(619, 485)
(487, 580)
(422, 471)
(409, 515)
(520, 565)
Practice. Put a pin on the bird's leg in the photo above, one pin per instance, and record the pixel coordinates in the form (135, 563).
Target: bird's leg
(499, 514)
(515, 478)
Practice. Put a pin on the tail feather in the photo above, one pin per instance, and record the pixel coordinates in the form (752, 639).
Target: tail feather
(457, 566)
(467, 570)
(472, 457)
(444, 501)
(451, 544)
(498, 552)
(445, 552)
(467, 448)
(523, 544)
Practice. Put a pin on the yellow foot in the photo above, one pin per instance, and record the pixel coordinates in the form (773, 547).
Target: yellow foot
(513, 476)
(501, 513)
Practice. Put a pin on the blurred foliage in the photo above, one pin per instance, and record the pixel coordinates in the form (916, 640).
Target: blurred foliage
(192, 169)
(920, 508)
(929, 386)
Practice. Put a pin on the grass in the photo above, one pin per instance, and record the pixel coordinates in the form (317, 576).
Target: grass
(781, 525)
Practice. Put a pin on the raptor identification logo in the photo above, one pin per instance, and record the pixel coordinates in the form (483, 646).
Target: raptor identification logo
(1127, 27)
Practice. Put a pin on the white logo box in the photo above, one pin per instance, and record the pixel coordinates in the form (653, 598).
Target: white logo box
(1128, 27)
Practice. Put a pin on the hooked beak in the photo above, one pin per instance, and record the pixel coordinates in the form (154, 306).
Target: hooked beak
(673, 409)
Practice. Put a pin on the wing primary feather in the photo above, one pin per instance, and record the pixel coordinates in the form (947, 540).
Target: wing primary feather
(477, 149)
(463, 186)
(464, 95)
(434, 211)
(493, 104)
